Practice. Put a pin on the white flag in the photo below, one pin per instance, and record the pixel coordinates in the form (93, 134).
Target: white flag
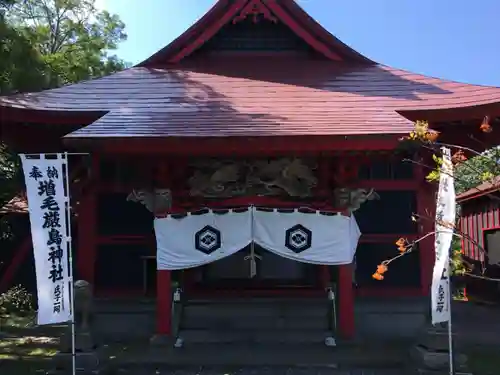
(445, 219)
(47, 204)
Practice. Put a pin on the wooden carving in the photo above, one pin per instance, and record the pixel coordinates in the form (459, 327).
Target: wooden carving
(221, 179)
(291, 176)
(352, 199)
(254, 9)
(156, 201)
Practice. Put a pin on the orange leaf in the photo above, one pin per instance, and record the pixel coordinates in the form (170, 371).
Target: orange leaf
(381, 269)
(402, 249)
(400, 242)
(485, 126)
(377, 276)
(432, 135)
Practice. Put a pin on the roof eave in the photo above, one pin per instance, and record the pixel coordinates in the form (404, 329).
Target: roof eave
(16, 113)
(166, 53)
(474, 194)
(322, 33)
(465, 113)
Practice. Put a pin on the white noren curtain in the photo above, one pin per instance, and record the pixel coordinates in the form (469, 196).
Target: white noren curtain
(195, 240)
(198, 239)
(307, 237)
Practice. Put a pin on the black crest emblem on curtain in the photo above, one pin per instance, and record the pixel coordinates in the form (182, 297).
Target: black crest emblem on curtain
(298, 238)
(207, 239)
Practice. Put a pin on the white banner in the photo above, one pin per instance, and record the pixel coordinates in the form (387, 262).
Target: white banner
(47, 205)
(445, 220)
(307, 237)
(198, 239)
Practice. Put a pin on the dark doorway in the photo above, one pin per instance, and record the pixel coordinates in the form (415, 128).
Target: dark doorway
(273, 272)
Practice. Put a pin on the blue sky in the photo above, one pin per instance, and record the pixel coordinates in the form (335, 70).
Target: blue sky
(453, 39)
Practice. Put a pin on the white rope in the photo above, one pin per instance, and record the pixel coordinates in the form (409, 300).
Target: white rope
(252, 257)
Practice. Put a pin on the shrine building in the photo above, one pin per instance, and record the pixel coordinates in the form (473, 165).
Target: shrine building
(255, 158)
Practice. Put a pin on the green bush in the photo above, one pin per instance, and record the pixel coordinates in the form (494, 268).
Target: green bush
(17, 300)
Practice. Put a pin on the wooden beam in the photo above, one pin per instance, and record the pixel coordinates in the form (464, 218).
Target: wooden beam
(240, 146)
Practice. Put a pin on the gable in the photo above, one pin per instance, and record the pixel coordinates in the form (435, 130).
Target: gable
(255, 26)
(257, 31)
(247, 35)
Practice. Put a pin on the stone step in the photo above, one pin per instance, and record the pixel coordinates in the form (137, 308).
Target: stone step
(278, 301)
(290, 337)
(253, 370)
(192, 321)
(255, 312)
(233, 356)
(257, 308)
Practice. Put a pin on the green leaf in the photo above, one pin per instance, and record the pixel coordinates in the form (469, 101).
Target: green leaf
(437, 159)
(71, 37)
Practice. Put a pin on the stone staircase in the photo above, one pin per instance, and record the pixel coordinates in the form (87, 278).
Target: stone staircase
(266, 335)
(251, 321)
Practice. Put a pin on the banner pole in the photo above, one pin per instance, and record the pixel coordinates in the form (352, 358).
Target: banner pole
(450, 332)
(444, 231)
(70, 261)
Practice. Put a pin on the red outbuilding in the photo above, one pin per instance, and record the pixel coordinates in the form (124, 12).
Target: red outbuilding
(480, 223)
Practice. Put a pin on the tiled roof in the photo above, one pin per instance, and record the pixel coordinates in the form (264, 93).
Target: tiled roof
(341, 93)
(325, 99)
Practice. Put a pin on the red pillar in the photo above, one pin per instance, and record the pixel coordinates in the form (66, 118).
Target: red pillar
(345, 301)
(163, 303)
(163, 278)
(87, 219)
(86, 237)
(426, 206)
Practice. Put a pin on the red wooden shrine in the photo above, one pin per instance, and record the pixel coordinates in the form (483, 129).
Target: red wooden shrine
(251, 79)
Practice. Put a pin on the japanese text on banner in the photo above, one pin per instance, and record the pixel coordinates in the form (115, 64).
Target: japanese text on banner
(445, 221)
(47, 203)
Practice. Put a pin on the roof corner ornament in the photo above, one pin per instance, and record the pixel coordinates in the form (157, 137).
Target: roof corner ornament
(255, 8)
(352, 199)
(157, 201)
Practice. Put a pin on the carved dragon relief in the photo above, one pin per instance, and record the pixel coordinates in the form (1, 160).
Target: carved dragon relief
(292, 177)
(221, 179)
